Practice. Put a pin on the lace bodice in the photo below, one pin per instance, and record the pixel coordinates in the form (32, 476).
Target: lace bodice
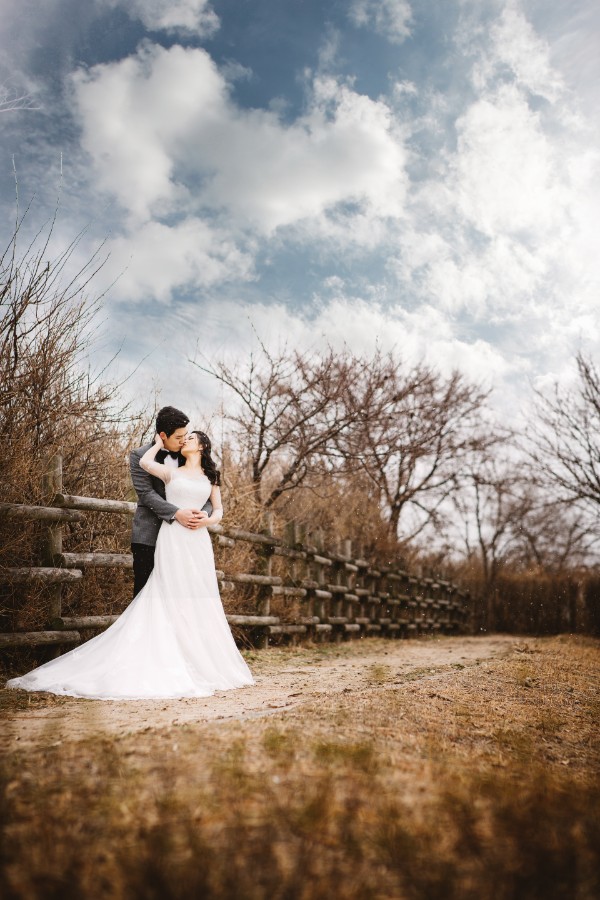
(187, 491)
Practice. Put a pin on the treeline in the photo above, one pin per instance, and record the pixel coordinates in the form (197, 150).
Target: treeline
(408, 463)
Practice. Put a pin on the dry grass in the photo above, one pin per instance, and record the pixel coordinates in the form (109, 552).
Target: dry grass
(463, 785)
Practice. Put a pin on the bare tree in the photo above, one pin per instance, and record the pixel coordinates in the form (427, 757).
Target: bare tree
(553, 536)
(565, 442)
(51, 402)
(507, 521)
(287, 410)
(299, 417)
(412, 432)
(12, 99)
(489, 504)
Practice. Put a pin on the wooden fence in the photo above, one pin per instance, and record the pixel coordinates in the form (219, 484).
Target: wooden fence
(339, 596)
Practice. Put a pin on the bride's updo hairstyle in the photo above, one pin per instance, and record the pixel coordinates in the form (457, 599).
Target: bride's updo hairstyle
(206, 460)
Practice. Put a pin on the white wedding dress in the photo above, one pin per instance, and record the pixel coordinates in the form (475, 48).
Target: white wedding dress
(172, 641)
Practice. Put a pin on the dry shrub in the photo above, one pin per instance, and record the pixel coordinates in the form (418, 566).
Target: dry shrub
(534, 602)
(342, 508)
(50, 403)
(491, 838)
(589, 611)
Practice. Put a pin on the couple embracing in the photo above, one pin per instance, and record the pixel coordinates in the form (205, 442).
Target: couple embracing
(173, 640)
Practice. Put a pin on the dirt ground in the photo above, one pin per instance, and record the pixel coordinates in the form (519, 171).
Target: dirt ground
(441, 768)
(286, 678)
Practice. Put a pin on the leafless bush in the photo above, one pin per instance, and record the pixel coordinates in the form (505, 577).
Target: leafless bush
(50, 401)
(565, 442)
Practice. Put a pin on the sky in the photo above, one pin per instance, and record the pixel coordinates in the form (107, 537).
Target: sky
(421, 175)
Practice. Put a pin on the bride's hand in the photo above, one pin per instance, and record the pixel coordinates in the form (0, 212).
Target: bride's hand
(158, 440)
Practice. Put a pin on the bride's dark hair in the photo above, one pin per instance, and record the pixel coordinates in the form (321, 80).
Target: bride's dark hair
(206, 460)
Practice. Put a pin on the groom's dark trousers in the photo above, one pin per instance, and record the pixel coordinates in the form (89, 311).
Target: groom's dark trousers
(143, 563)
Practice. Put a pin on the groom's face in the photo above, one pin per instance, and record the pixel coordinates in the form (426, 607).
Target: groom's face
(176, 440)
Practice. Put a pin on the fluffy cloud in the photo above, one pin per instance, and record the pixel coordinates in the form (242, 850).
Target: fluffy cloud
(158, 260)
(345, 149)
(192, 17)
(514, 48)
(134, 114)
(498, 230)
(164, 135)
(194, 173)
(390, 18)
(484, 259)
(508, 178)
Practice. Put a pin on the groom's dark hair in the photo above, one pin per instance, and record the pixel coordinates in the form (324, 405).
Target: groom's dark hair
(170, 419)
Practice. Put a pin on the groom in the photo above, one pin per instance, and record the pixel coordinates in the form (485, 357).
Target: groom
(153, 508)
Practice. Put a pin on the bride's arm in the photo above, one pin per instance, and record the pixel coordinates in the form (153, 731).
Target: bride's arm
(217, 513)
(149, 464)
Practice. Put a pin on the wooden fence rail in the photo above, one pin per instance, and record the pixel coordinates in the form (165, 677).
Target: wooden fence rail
(339, 596)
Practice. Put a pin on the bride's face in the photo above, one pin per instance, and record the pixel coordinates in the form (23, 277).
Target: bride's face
(191, 445)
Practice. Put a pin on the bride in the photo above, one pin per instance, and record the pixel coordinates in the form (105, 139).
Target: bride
(173, 640)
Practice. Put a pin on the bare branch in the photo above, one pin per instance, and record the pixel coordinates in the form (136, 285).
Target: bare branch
(565, 442)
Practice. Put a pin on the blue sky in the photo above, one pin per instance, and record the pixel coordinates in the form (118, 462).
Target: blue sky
(419, 174)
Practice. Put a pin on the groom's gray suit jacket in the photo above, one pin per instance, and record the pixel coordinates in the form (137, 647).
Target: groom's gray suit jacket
(152, 509)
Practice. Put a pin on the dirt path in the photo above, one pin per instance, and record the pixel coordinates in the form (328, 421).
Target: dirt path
(431, 767)
(285, 679)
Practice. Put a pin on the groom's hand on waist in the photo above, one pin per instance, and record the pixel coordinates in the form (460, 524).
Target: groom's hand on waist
(190, 518)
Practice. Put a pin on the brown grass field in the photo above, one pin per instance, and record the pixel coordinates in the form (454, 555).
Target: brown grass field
(449, 768)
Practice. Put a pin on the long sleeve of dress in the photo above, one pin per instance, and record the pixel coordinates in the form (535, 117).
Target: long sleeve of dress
(147, 495)
(155, 468)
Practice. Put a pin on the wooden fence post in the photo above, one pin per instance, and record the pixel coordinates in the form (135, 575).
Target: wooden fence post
(263, 605)
(322, 597)
(52, 484)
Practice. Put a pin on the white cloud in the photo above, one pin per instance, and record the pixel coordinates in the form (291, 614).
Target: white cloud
(500, 230)
(508, 175)
(514, 48)
(345, 149)
(157, 260)
(183, 16)
(491, 249)
(163, 135)
(134, 112)
(390, 18)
